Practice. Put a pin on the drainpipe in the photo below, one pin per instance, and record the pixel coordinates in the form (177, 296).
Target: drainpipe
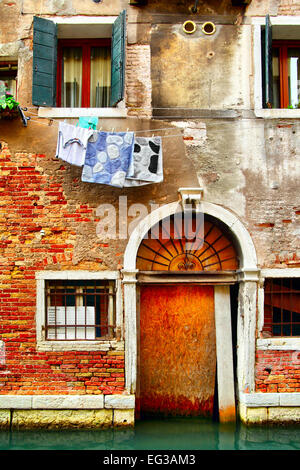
(195, 7)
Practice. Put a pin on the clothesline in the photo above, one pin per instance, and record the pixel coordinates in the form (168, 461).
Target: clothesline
(57, 121)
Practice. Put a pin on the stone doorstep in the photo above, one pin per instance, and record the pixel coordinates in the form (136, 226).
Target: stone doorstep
(255, 400)
(121, 402)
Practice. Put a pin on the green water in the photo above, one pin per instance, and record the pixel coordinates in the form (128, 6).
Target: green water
(157, 434)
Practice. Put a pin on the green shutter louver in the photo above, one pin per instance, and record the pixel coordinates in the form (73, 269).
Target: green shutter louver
(118, 59)
(267, 70)
(44, 62)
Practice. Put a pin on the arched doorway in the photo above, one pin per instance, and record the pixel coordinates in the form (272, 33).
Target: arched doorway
(177, 334)
(135, 275)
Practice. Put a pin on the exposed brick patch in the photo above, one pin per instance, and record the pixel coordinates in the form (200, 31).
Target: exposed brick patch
(138, 81)
(31, 200)
(277, 371)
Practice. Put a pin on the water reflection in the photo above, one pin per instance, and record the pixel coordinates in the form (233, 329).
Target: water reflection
(167, 434)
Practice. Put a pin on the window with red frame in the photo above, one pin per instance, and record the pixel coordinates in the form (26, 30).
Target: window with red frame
(286, 74)
(84, 73)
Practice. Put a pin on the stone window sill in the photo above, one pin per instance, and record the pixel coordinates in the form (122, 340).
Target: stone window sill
(78, 112)
(280, 344)
(101, 345)
(277, 113)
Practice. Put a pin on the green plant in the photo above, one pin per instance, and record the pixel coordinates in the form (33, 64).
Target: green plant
(9, 102)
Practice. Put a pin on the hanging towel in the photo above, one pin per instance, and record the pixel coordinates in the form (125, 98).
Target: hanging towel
(146, 166)
(108, 157)
(72, 143)
(88, 122)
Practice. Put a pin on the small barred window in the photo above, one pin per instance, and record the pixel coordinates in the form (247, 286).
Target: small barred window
(80, 310)
(282, 307)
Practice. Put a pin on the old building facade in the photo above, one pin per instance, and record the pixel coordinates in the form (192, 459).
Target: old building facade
(106, 312)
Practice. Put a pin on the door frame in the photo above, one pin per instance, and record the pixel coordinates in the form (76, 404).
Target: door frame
(247, 276)
(223, 327)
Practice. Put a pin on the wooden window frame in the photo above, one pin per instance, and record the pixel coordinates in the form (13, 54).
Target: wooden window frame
(86, 45)
(283, 46)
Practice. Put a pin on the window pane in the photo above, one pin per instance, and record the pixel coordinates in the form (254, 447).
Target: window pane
(276, 330)
(8, 74)
(276, 315)
(80, 309)
(276, 79)
(286, 330)
(71, 77)
(286, 316)
(296, 330)
(100, 77)
(294, 76)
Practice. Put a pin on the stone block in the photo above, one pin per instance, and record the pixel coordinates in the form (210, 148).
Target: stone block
(119, 401)
(123, 418)
(4, 419)
(284, 414)
(257, 415)
(290, 399)
(61, 419)
(68, 402)
(14, 401)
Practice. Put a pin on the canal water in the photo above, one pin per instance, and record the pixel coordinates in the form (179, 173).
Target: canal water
(156, 434)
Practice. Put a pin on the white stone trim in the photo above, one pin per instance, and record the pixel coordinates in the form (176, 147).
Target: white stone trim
(80, 19)
(97, 345)
(281, 20)
(103, 113)
(281, 272)
(225, 372)
(77, 275)
(129, 283)
(256, 400)
(288, 343)
(120, 402)
(277, 113)
(64, 402)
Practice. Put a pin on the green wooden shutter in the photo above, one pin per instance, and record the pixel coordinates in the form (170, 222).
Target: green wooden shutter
(118, 59)
(267, 71)
(44, 62)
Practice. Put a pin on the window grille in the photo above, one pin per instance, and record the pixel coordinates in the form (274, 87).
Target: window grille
(80, 310)
(282, 307)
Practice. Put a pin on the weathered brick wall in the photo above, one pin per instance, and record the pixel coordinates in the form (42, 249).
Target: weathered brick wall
(277, 371)
(289, 7)
(31, 200)
(138, 81)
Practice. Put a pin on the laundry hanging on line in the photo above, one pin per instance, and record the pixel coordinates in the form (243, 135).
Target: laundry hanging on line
(146, 165)
(108, 156)
(72, 143)
(117, 159)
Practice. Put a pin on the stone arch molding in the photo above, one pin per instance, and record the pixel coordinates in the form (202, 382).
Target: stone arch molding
(248, 261)
(248, 273)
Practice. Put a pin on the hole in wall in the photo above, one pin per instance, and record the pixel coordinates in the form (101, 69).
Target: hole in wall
(189, 27)
(208, 28)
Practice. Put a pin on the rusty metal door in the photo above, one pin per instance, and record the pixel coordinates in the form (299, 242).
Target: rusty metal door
(177, 350)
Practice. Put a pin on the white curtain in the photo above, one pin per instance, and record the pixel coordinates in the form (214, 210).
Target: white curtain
(100, 77)
(72, 77)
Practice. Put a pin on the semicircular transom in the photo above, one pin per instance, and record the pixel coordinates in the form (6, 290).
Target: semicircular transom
(184, 242)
